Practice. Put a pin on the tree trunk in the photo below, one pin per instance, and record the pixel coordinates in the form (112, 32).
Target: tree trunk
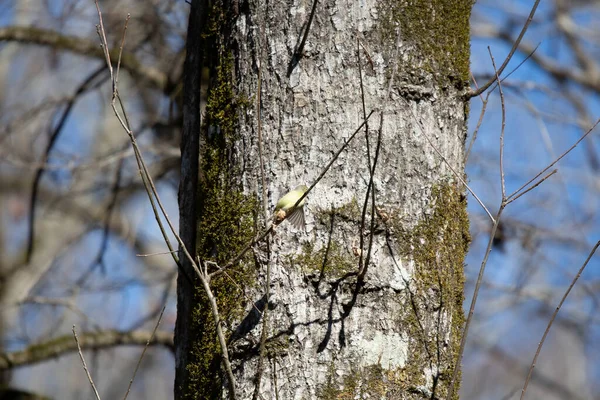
(368, 300)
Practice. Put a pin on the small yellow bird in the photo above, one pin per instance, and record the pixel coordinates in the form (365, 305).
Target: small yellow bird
(285, 208)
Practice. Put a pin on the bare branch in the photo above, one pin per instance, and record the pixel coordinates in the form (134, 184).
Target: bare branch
(473, 93)
(484, 103)
(205, 279)
(538, 183)
(84, 87)
(465, 332)
(87, 372)
(144, 352)
(558, 72)
(146, 177)
(121, 48)
(456, 174)
(551, 321)
(335, 157)
(97, 340)
(270, 229)
(502, 182)
(516, 192)
(31, 35)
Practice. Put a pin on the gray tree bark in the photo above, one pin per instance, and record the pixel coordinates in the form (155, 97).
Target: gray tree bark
(367, 302)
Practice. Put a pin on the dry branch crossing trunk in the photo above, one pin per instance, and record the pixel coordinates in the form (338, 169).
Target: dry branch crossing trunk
(368, 300)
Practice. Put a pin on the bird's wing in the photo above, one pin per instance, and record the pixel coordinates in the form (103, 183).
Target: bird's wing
(296, 218)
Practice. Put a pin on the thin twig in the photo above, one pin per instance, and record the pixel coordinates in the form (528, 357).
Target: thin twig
(205, 279)
(496, 222)
(487, 97)
(473, 93)
(87, 372)
(510, 198)
(367, 51)
(260, 237)
(335, 156)
(479, 122)
(160, 253)
(144, 352)
(519, 65)
(364, 267)
(527, 57)
(503, 105)
(478, 283)
(539, 348)
(484, 103)
(362, 99)
(456, 174)
(146, 177)
(363, 215)
(104, 42)
(145, 174)
(538, 183)
(121, 49)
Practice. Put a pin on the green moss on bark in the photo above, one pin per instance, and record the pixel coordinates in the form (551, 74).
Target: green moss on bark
(226, 216)
(433, 314)
(434, 317)
(439, 32)
(371, 381)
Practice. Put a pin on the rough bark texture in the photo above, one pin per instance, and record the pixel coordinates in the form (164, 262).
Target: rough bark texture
(187, 197)
(329, 335)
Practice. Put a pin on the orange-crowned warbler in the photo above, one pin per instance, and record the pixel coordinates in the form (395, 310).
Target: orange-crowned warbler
(285, 208)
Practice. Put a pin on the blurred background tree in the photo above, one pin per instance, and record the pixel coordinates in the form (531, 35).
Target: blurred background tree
(551, 101)
(66, 170)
